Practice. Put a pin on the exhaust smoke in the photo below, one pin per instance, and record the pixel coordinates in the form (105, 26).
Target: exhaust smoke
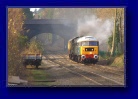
(96, 27)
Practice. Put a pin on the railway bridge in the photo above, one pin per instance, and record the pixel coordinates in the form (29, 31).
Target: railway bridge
(62, 27)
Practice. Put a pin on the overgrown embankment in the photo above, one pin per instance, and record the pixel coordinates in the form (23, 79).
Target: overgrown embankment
(105, 59)
(118, 61)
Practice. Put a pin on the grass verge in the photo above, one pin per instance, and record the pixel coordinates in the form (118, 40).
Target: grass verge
(112, 61)
(39, 75)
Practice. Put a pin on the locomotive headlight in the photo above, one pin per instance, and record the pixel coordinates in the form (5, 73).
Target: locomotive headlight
(83, 56)
(96, 56)
(90, 52)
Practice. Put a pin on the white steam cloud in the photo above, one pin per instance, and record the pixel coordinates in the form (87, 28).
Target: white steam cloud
(93, 26)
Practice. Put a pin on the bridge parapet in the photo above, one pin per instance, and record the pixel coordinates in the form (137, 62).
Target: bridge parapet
(62, 27)
(50, 21)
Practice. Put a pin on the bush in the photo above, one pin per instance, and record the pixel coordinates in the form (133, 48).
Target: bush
(104, 54)
(22, 41)
(33, 48)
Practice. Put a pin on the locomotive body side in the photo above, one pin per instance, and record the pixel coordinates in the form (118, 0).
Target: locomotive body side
(72, 47)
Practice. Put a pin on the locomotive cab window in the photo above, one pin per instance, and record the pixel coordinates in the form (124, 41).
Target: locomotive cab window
(93, 43)
(85, 43)
(89, 43)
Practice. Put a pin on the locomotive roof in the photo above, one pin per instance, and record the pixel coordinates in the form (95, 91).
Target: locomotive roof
(75, 38)
(86, 38)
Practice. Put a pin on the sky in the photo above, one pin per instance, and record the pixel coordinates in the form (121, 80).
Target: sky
(33, 9)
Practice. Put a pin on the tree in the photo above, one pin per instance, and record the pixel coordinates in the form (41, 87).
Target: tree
(117, 36)
(105, 13)
(113, 40)
(15, 23)
(28, 14)
(120, 31)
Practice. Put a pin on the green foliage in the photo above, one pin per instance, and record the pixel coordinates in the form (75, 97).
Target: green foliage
(117, 37)
(39, 75)
(39, 16)
(110, 39)
(22, 40)
(45, 13)
(28, 13)
(33, 48)
(50, 13)
(104, 54)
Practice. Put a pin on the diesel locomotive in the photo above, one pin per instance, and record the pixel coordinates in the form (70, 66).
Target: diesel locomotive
(84, 49)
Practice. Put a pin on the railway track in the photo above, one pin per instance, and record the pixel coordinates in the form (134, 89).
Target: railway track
(103, 68)
(98, 79)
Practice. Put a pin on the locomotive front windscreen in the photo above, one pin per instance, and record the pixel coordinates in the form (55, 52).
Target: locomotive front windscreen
(89, 43)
